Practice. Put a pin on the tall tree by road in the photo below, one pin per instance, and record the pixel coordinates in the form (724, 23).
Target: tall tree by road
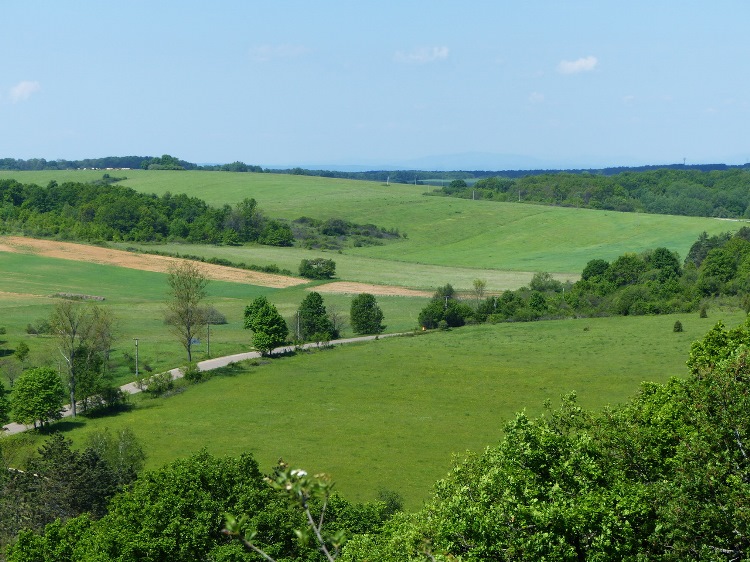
(365, 315)
(38, 395)
(268, 326)
(84, 337)
(314, 324)
(185, 315)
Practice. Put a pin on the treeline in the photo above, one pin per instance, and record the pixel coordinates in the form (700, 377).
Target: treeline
(103, 211)
(665, 476)
(92, 212)
(653, 282)
(716, 193)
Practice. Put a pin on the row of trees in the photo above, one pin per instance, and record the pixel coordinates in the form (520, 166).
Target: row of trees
(665, 476)
(715, 193)
(311, 323)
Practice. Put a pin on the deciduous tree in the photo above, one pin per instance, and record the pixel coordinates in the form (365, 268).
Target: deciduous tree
(185, 314)
(314, 324)
(84, 336)
(268, 326)
(38, 395)
(365, 315)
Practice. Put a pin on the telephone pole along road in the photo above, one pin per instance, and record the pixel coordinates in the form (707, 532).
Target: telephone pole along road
(210, 364)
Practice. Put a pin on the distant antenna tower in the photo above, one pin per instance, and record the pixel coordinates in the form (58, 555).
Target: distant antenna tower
(683, 161)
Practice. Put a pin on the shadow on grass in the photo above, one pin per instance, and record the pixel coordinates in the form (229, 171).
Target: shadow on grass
(109, 411)
(61, 426)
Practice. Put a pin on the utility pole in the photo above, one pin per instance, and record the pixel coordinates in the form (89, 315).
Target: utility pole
(208, 340)
(136, 358)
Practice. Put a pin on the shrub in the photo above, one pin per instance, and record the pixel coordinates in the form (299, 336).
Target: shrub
(159, 384)
(317, 268)
(192, 373)
(677, 326)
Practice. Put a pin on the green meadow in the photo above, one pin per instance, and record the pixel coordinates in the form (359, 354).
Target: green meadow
(445, 232)
(136, 298)
(391, 413)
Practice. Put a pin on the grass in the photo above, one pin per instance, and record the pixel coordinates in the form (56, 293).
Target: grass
(445, 232)
(390, 413)
(136, 299)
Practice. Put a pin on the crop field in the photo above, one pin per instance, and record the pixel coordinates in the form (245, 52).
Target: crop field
(389, 414)
(446, 232)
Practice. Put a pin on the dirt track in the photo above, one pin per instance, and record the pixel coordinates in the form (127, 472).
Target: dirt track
(161, 264)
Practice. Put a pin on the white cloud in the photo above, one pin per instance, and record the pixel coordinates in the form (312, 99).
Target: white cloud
(584, 64)
(536, 97)
(265, 53)
(23, 90)
(422, 55)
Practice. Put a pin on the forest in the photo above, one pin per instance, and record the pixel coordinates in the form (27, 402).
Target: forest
(103, 211)
(714, 193)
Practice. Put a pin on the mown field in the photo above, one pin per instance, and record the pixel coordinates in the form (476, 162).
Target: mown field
(472, 236)
(389, 414)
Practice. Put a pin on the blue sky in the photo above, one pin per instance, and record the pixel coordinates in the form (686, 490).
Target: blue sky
(573, 84)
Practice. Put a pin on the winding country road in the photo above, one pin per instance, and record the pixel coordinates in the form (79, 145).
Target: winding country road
(208, 365)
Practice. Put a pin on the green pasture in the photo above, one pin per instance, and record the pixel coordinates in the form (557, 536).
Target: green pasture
(350, 267)
(391, 413)
(447, 232)
(136, 298)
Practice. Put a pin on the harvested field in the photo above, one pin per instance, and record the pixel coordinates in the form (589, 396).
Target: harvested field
(351, 288)
(144, 262)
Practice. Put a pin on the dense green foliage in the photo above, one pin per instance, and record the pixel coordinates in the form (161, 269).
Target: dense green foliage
(365, 315)
(111, 212)
(178, 511)
(654, 282)
(317, 268)
(60, 482)
(335, 233)
(313, 322)
(4, 405)
(38, 395)
(664, 477)
(716, 193)
(268, 326)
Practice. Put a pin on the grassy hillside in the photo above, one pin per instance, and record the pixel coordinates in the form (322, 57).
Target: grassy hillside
(442, 232)
(390, 413)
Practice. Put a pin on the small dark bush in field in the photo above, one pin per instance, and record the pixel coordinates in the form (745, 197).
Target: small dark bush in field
(677, 326)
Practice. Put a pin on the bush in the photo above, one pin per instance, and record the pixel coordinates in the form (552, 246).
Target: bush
(317, 268)
(677, 326)
(159, 384)
(192, 373)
